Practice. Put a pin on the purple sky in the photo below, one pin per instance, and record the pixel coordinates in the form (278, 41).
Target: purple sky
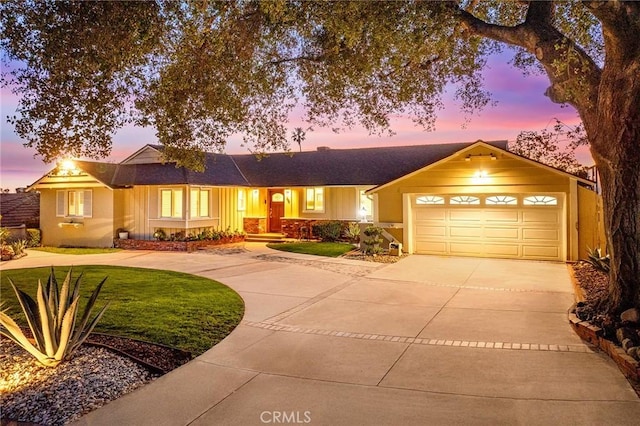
(521, 105)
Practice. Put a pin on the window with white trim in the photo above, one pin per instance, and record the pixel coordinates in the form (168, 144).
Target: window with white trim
(199, 203)
(365, 207)
(540, 200)
(314, 200)
(464, 199)
(171, 203)
(74, 203)
(501, 200)
(429, 199)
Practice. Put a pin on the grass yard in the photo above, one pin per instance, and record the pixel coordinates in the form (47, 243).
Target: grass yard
(317, 249)
(172, 308)
(76, 250)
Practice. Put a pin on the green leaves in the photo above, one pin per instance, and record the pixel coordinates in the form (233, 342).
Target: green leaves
(52, 319)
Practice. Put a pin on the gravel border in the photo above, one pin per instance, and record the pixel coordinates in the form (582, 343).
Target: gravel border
(30, 392)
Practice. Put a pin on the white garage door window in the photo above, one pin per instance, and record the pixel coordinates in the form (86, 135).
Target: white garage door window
(515, 226)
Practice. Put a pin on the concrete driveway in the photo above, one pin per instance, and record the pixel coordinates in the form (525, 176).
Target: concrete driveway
(427, 340)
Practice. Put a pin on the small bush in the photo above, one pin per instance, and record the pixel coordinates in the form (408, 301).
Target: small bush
(18, 247)
(34, 237)
(328, 231)
(598, 261)
(6, 252)
(352, 233)
(371, 241)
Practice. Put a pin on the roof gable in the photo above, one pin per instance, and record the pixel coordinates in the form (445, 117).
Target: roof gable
(492, 151)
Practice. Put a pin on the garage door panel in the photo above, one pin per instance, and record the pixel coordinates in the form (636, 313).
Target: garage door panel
(465, 232)
(501, 250)
(529, 234)
(431, 231)
(511, 216)
(430, 214)
(541, 216)
(522, 232)
(540, 252)
(456, 215)
(502, 233)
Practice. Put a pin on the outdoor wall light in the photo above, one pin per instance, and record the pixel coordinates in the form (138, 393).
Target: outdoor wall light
(480, 176)
(287, 195)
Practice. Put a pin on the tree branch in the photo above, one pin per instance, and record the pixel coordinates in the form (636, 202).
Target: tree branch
(620, 26)
(539, 13)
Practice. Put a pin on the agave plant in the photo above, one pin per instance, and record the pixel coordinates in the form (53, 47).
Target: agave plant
(53, 319)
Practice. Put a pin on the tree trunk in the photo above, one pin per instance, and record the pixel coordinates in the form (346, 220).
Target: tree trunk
(614, 133)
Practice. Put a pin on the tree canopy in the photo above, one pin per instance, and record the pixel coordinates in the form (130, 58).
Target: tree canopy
(200, 71)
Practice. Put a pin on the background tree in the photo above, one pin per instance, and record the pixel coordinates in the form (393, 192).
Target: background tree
(201, 71)
(555, 147)
(299, 136)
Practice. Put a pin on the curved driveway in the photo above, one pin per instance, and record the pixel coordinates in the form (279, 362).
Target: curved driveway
(427, 340)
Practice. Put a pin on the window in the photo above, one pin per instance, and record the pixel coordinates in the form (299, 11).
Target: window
(365, 210)
(314, 200)
(429, 199)
(503, 200)
(464, 199)
(199, 203)
(540, 200)
(242, 200)
(77, 203)
(171, 203)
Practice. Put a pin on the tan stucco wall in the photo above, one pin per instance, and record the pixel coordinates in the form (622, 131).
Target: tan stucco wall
(590, 222)
(95, 231)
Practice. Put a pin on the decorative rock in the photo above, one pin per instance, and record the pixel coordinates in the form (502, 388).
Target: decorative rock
(627, 344)
(631, 315)
(626, 333)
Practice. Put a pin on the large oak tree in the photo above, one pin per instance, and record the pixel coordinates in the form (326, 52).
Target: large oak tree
(202, 71)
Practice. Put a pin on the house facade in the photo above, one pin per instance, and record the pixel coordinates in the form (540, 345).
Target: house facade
(473, 199)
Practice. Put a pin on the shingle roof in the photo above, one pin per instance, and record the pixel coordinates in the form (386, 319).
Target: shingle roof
(20, 208)
(362, 166)
(358, 166)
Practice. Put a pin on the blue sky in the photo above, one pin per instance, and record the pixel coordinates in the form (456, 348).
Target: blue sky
(521, 105)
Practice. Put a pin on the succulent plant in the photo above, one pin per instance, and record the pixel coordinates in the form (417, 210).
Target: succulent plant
(53, 319)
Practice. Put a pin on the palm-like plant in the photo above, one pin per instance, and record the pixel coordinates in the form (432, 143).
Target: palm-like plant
(53, 319)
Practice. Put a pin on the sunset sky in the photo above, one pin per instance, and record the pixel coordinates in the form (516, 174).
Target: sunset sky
(521, 105)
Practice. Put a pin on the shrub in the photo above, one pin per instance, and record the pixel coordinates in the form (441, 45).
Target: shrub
(600, 262)
(327, 231)
(372, 240)
(352, 232)
(160, 234)
(53, 319)
(34, 236)
(6, 252)
(4, 234)
(18, 247)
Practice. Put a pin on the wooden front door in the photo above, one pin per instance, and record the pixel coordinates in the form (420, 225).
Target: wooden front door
(276, 210)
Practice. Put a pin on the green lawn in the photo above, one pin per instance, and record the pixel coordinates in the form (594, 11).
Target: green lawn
(76, 250)
(317, 249)
(176, 309)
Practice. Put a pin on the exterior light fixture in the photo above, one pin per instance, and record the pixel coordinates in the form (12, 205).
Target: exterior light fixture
(480, 176)
(363, 214)
(287, 195)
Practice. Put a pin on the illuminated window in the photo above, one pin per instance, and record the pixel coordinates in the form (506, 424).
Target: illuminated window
(314, 200)
(74, 203)
(199, 203)
(365, 209)
(540, 200)
(277, 197)
(503, 200)
(171, 203)
(464, 199)
(429, 199)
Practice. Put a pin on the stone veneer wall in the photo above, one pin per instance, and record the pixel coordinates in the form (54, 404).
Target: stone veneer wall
(254, 225)
(291, 227)
(187, 246)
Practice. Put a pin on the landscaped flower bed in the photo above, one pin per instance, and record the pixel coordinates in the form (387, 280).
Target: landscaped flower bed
(187, 246)
(614, 336)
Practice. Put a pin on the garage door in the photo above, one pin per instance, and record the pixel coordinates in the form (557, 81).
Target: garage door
(509, 226)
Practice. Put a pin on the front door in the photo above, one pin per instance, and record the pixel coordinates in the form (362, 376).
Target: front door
(276, 210)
